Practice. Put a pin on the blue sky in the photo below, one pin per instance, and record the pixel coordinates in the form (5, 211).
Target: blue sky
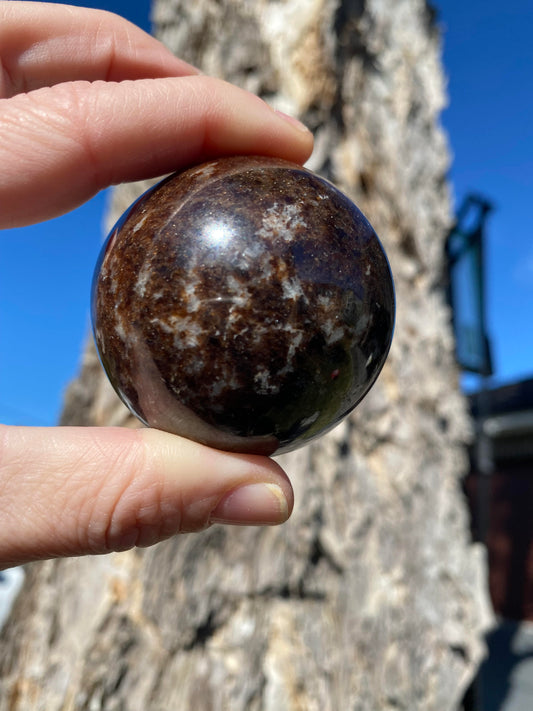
(46, 270)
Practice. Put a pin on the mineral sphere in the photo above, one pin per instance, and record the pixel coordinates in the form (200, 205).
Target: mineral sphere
(244, 303)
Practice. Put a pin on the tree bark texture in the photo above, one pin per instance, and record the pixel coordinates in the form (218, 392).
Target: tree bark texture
(372, 596)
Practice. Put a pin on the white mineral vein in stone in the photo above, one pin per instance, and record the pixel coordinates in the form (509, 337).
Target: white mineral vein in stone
(233, 318)
(292, 350)
(193, 302)
(251, 254)
(204, 171)
(189, 334)
(240, 295)
(104, 277)
(186, 331)
(363, 323)
(143, 279)
(292, 289)
(265, 386)
(139, 224)
(120, 330)
(324, 301)
(281, 222)
(309, 420)
(164, 325)
(332, 332)
(219, 385)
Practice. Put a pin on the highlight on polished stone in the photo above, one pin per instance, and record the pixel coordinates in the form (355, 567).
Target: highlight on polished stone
(245, 303)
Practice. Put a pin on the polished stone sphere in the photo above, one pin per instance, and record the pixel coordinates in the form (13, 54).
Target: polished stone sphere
(245, 303)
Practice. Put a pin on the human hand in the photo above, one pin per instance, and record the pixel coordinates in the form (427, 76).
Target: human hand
(88, 100)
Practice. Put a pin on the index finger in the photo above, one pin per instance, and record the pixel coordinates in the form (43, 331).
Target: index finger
(59, 146)
(42, 44)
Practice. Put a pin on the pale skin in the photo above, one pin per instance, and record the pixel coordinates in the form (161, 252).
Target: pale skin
(88, 100)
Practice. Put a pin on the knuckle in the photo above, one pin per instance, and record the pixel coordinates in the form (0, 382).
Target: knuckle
(74, 119)
(132, 507)
(57, 118)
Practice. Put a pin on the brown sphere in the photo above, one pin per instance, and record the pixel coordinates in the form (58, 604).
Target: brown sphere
(245, 303)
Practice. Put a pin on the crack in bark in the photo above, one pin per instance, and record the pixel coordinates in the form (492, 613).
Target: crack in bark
(203, 633)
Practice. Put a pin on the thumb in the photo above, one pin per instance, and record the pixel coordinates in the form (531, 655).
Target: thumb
(70, 491)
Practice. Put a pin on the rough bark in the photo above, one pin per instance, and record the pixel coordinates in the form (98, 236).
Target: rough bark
(371, 596)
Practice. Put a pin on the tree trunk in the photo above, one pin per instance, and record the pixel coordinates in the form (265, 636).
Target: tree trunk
(372, 595)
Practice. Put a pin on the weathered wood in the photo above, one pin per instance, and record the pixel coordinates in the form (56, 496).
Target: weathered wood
(371, 596)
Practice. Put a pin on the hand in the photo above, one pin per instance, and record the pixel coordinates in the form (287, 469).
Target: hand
(88, 100)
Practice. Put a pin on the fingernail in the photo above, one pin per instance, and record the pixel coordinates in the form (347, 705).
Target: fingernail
(293, 121)
(252, 505)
